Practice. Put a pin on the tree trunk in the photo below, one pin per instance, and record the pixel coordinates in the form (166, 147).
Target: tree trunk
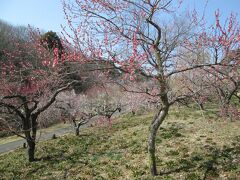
(201, 106)
(77, 131)
(34, 127)
(157, 121)
(30, 125)
(31, 150)
(32, 141)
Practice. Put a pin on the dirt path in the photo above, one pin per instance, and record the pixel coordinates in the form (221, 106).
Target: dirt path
(19, 143)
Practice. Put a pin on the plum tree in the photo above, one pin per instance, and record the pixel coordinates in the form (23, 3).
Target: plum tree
(23, 86)
(145, 37)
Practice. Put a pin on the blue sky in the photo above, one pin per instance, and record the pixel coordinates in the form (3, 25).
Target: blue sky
(43, 14)
(48, 14)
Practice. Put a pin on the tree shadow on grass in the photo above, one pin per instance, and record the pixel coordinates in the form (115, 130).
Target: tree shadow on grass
(74, 152)
(210, 163)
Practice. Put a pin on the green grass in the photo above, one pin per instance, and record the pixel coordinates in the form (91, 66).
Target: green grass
(188, 147)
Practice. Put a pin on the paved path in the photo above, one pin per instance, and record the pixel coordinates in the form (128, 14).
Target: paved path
(19, 143)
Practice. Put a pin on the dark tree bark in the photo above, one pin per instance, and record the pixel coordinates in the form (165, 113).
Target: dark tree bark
(201, 106)
(77, 131)
(157, 121)
(30, 142)
(31, 150)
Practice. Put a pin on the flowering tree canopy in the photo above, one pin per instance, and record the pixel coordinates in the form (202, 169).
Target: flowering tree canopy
(152, 39)
(28, 77)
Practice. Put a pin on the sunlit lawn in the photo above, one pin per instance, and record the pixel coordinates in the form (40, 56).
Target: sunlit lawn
(189, 146)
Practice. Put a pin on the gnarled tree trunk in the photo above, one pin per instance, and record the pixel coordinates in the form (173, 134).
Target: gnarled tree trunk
(31, 146)
(30, 130)
(31, 150)
(157, 121)
(77, 130)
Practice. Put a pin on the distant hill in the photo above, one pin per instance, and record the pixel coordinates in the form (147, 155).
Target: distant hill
(89, 73)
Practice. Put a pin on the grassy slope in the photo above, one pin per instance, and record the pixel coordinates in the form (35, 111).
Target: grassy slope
(188, 147)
